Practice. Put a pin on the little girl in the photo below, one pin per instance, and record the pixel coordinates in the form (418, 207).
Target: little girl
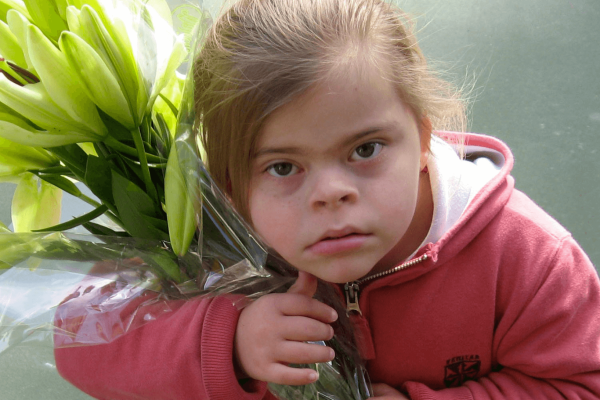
(327, 130)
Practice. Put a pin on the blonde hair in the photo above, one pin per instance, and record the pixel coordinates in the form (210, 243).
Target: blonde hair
(261, 54)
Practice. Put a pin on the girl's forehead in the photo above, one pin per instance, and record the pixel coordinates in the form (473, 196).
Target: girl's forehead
(342, 106)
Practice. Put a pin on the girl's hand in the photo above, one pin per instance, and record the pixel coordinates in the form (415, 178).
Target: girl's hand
(386, 392)
(272, 330)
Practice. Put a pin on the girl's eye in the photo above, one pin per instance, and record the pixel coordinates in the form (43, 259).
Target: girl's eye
(367, 150)
(282, 169)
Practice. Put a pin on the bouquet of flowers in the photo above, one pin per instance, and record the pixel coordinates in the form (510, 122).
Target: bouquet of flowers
(90, 93)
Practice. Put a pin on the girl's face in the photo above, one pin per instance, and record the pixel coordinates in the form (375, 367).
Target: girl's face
(335, 178)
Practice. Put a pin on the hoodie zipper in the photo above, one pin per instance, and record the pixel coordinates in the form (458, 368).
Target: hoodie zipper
(352, 288)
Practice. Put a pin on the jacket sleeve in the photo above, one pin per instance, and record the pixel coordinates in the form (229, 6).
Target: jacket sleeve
(547, 340)
(182, 351)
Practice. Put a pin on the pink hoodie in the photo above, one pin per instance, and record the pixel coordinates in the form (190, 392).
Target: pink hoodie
(505, 305)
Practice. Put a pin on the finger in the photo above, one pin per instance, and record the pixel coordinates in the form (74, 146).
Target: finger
(299, 305)
(284, 375)
(304, 353)
(381, 389)
(306, 284)
(302, 329)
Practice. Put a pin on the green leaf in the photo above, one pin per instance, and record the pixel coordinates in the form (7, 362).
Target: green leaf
(158, 223)
(98, 177)
(75, 222)
(62, 183)
(134, 207)
(97, 229)
(169, 104)
(74, 158)
(116, 130)
(162, 260)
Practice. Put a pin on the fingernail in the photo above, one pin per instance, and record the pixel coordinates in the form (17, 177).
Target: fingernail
(331, 354)
(313, 376)
(334, 315)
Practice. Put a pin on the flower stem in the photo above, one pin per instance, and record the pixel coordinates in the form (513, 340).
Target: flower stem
(139, 144)
(122, 148)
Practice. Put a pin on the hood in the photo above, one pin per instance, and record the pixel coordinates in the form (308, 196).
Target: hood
(468, 194)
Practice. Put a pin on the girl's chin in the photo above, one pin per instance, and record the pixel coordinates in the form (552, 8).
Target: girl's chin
(342, 276)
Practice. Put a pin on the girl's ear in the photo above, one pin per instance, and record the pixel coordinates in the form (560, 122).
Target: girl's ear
(425, 131)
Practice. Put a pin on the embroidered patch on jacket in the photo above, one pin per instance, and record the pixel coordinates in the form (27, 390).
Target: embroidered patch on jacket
(460, 369)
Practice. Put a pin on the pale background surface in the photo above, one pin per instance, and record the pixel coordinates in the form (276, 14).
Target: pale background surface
(537, 87)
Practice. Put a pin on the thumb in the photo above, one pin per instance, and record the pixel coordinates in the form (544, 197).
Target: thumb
(306, 284)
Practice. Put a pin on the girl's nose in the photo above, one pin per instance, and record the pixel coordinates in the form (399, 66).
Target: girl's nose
(331, 190)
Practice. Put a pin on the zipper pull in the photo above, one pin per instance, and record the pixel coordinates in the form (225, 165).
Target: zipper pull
(352, 297)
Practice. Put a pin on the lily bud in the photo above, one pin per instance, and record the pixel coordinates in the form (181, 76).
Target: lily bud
(108, 37)
(181, 216)
(31, 109)
(62, 83)
(36, 204)
(98, 81)
(17, 159)
(170, 53)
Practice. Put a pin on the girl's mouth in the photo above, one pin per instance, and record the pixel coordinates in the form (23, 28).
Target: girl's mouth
(331, 245)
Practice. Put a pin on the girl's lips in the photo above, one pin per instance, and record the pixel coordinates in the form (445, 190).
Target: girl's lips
(342, 244)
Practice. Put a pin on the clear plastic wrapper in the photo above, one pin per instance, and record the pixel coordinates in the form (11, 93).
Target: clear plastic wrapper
(142, 259)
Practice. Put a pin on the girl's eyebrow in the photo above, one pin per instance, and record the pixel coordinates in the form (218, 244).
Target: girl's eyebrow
(295, 150)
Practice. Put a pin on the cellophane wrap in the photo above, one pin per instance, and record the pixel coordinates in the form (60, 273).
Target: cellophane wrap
(45, 276)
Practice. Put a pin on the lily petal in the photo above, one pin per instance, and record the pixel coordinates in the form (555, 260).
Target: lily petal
(18, 24)
(7, 5)
(9, 46)
(45, 15)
